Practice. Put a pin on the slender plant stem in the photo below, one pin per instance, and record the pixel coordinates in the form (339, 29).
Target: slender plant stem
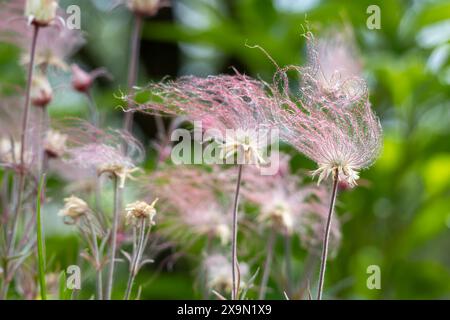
(93, 110)
(234, 259)
(288, 261)
(41, 242)
(96, 253)
(21, 185)
(113, 244)
(133, 66)
(323, 262)
(134, 268)
(267, 265)
(23, 140)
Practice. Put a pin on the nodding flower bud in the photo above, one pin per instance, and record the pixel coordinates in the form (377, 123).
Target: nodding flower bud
(74, 209)
(140, 210)
(144, 7)
(41, 91)
(41, 12)
(55, 144)
(81, 80)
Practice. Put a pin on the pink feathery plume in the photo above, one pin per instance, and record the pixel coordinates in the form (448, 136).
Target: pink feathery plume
(103, 151)
(333, 71)
(191, 200)
(56, 43)
(340, 135)
(221, 104)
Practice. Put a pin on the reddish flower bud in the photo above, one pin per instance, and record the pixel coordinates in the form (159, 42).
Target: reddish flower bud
(81, 80)
(41, 91)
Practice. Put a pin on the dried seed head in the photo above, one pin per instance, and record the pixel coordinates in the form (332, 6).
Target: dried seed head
(41, 12)
(74, 208)
(55, 144)
(139, 210)
(41, 91)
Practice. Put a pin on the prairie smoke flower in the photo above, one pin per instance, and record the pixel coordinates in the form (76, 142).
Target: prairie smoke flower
(41, 12)
(41, 91)
(279, 196)
(102, 151)
(139, 210)
(74, 208)
(55, 143)
(218, 273)
(235, 111)
(343, 136)
(191, 198)
(146, 7)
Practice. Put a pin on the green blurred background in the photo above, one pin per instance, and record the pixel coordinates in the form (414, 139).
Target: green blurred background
(399, 221)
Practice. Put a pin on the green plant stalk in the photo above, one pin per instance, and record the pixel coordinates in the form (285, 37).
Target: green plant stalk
(234, 259)
(40, 242)
(323, 262)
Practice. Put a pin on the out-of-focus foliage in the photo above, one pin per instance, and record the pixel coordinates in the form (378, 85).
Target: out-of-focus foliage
(399, 219)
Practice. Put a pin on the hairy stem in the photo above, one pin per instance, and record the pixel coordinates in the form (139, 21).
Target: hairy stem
(133, 66)
(234, 259)
(267, 265)
(323, 262)
(113, 244)
(134, 268)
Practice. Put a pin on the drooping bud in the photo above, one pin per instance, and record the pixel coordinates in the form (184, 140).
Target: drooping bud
(74, 209)
(81, 80)
(41, 91)
(41, 12)
(55, 144)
